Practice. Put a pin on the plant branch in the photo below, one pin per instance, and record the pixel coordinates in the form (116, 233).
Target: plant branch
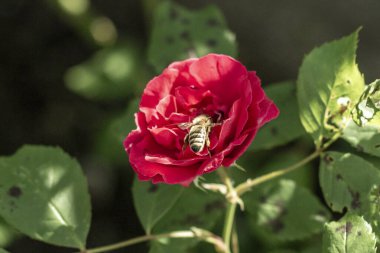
(246, 186)
(228, 225)
(235, 240)
(193, 233)
(233, 200)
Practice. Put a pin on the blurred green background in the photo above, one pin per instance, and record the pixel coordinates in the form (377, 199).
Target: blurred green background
(42, 43)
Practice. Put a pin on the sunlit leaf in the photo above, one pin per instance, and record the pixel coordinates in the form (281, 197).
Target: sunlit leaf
(285, 211)
(179, 34)
(351, 183)
(367, 110)
(348, 235)
(287, 126)
(364, 138)
(346, 181)
(43, 194)
(329, 86)
(7, 233)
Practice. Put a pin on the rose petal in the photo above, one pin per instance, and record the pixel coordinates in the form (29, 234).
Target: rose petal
(233, 126)
(177, 118)
(237, 148)
(211, 164)
(257, 92)
(171, 174)
(184, 76)
(158, 88)
(135, 136)
(166, 137)
(268, 111)
(170, 161)
(166, 106)
(190, 97)
(222, 75)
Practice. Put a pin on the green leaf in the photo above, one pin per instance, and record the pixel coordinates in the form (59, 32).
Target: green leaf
(110, 141)
(3, 251)
(7, 233)
(346, 181)
(329, 86)
(367, 110)
(178, 34)
(364, 138)
(373, 213)
(350, 234)
(284, 211)
(287, 126)
(112, 73)
(194, 208)
(312, 245)
(43, 194)
(153, 201)
(352, 183)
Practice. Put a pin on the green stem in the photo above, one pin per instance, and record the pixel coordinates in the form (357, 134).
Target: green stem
(246, 186)
(235, 240)
(207, 237)
(228, 225)
(231, 209)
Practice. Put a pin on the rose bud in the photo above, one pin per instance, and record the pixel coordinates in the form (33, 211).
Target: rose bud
(196, 116)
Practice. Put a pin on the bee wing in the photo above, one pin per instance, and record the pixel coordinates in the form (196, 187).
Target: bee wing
(185, 125)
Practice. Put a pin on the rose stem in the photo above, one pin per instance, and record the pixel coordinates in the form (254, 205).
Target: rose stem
(235, 240)
(231, 209)
(246, 186)
(228, 224)
(206, 236)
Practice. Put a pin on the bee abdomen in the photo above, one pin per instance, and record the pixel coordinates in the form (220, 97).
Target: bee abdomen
(197, 139)
(196, 148)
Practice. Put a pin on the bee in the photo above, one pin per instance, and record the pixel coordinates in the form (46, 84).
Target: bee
(198, 136)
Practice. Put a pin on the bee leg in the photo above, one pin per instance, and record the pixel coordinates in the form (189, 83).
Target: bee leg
(219, 117)
(208, 143)
(218, 122)
(185, 142)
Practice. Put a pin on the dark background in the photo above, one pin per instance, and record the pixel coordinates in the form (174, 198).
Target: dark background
(37, 46)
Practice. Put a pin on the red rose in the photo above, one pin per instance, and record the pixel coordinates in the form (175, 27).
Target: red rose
(214, 85)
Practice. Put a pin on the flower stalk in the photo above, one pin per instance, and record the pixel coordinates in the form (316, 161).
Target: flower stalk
(247, 185)
(228, 225)
(233, 200)
(235, 240)
(201, 234)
